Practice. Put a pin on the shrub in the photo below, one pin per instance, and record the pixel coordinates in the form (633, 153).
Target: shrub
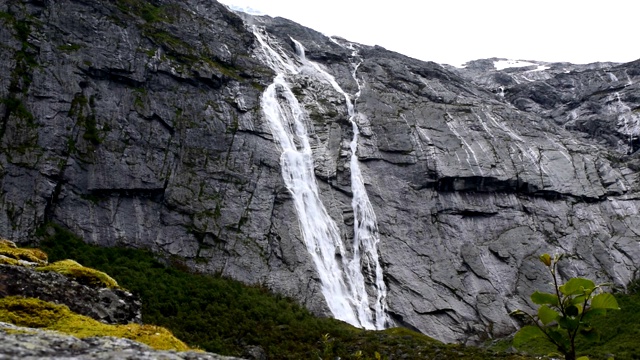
(566, 313)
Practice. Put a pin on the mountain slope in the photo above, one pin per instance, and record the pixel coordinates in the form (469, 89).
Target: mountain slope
(140, 124)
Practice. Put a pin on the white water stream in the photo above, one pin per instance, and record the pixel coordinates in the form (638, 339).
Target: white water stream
(343, 281)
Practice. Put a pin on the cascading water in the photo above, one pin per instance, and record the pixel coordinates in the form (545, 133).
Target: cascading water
(366, 236)
(343, 282)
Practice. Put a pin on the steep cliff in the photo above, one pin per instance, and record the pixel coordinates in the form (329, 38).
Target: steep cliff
(142, 124)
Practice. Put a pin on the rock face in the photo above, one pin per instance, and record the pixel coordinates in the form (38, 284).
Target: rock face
(140, 125)
(27, 343)
(111, 306)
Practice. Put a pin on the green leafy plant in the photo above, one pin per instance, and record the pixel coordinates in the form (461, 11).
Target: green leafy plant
(567, 313)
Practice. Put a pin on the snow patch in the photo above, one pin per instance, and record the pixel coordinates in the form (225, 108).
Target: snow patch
(541, 68)
(504, 64)
(245, 9)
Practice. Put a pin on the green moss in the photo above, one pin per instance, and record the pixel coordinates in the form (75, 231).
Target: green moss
(77, 104)
(91, 132)
(24, 58)
(140, 94)
(83, 275)
(176, 49)
(7, 243)
(86, 118)
(5, 260)
(69, 47)
(36, 313)
(10, 251)
(6, 17)
(169, 41)
(16, 107)
(150, 52)
(148, 12)
(258, 86)
(226, 69)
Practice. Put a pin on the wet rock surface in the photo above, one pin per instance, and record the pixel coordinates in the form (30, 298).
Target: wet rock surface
(149, 133)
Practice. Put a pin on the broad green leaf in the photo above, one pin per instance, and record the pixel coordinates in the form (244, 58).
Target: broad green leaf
(546, 314)
(541, 298)
(578, 300)
(604, 301)
(583, 358)
(577, 286)
(526, 335)
(568, 323)
(580, 308)
(572, 310)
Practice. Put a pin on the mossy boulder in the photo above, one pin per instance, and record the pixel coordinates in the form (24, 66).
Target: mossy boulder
(83, 275)
(25, 272)
(31, 312)
(13, 255)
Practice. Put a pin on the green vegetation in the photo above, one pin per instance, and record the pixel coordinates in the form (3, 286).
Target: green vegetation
(149, 12)
(567, 318)
(86, 118)
(16, 107)
(25, 57)
(155, 28)
(69, 47)
(81, 274)
(224, 316)
(25, 138)
(10, 254)
(619, 333)
(36, 313)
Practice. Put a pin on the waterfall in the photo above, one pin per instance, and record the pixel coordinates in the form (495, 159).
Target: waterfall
(366, 236)
(343, 281)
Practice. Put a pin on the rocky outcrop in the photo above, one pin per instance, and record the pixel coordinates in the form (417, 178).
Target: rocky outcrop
(28, 343)
(140, 125)
(111, 306)
(597, 99)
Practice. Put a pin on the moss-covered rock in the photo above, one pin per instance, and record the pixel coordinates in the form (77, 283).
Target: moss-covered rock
(11, 254)
(83, 275)
(36, 313)
(5, 260)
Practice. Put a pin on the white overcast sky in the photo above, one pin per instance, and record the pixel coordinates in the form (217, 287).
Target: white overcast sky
(456, 31)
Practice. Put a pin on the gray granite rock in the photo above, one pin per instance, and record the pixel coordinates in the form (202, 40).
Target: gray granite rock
(18, 342)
